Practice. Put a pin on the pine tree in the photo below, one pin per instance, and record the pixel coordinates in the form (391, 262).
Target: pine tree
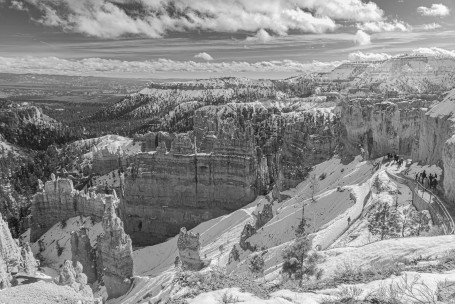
(384, 221)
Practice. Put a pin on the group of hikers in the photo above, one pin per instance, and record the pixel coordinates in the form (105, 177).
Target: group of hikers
(395, 158)
(430, 181)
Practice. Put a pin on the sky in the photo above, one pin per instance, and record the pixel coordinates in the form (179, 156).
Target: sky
(208, 38)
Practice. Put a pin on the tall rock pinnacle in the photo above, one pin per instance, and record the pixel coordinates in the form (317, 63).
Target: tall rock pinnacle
(116, 252)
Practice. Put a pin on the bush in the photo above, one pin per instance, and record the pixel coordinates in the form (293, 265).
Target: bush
(228, 298)
(63, 224)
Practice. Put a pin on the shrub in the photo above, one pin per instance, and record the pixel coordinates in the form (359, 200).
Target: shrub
(228, 298)
(257, 264)
(63, 224)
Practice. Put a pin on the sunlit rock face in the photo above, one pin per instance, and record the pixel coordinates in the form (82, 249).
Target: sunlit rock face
(116, 253)
(381, 127)
(59, 201)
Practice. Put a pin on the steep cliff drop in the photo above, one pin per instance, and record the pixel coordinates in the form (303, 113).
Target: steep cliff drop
(115, 251)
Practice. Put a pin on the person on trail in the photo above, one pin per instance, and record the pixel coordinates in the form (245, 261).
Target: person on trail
(417, 176)
(430, 177)
(349, 221)
(424, 175)
(435, 184)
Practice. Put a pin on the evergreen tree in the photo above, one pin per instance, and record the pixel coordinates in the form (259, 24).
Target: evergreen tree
(384, 222)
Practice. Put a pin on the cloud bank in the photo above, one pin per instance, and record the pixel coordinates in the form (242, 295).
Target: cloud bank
(436, 10)
(155, 18)
(100, 67)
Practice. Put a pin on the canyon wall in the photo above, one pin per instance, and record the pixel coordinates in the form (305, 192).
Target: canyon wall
(58, 201)
(167, 191)
(381, 127)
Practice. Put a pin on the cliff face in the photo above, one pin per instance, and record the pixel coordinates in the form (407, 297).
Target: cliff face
(437, 141)
(235, 153)
(116, 252)
(60, 201)
(169, 191)
(380, 127)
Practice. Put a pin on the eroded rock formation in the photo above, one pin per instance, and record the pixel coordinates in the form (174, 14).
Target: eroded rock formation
(60, 201)
(116, 252)
(82, 252)
(189, 250)
(264, 216)
(248, 230)
(75, 278)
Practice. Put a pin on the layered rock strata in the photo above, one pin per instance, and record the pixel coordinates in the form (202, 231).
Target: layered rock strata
(116, 253)
(234, 154)
(189, 250)
(59, 201)
(82, 252)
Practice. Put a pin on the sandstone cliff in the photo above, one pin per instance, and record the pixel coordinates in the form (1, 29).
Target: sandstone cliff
(381, 126)
(116, 252)
(59, 201)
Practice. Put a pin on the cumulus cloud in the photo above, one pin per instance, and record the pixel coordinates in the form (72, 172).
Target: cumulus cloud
(362, 38)
(204, 56)
(436, 10)
(99, 66)
(360, 56)
(261, 36)
(155, 18)
(384, 26)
